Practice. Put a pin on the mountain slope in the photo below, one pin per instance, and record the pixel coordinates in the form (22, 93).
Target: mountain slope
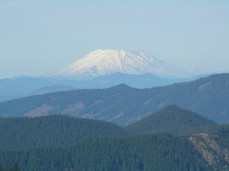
(137, 153)
(174, 120)
(51, 89)
(52, 131)
(214, 147)
(104, 62)
(124, 105)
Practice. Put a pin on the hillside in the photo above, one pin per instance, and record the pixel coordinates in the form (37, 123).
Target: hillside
(138, 153)
(173, 120)
(124, 105)
(52, 131)
(63, 143)
(214, 147)
(222, 135)
(59, 130)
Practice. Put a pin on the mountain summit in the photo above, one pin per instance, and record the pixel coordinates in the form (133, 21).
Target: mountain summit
(105, 62)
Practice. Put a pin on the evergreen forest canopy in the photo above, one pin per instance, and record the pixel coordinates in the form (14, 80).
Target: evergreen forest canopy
(145, 152)
(65, 143)
(172, 120)
(56, 130)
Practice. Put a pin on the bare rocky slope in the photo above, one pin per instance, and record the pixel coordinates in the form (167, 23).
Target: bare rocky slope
(216, 155)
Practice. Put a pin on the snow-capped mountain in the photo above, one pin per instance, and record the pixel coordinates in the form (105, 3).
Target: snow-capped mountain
(105, 62)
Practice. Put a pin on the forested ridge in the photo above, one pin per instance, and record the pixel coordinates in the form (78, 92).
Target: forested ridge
(173, 120)
(145, 152)
(58, 143)
(56, 130)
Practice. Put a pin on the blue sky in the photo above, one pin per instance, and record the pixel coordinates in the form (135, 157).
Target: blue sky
(39, 37)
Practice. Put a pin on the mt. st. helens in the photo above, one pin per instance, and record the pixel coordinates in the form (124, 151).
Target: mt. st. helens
(99, 69)
(105, 62)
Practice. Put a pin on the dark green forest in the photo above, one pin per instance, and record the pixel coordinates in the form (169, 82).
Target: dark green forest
(222, 137)
(59, 130)
(145, 152)
(63, 143)
(173, 120)
(56, 130)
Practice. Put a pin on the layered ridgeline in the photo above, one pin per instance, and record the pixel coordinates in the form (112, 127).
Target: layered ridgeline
(26, 86)
(98, 69)
(124, 105)
(173, 120)
(77, 148)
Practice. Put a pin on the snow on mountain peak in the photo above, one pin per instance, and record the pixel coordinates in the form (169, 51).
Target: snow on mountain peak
(104, 62)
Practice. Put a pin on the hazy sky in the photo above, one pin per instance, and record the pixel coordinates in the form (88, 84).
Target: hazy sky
(42, 36)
